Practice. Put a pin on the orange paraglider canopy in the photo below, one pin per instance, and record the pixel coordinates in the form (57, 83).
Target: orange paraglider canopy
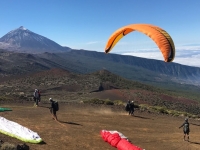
(158, 35)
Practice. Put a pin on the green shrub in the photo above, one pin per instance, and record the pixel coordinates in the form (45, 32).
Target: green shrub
(159, 109)
(8, 146)
(108, 102)
(118, 102)
(176, 114)
(99, 101)
(136, 106)
(143, 106)
(94, 101)
(4, 98)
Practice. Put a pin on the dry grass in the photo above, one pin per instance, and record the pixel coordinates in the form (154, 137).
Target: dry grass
(80, 126)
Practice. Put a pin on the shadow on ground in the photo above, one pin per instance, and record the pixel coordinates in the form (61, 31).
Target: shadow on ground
(142, 117)
(72, 123)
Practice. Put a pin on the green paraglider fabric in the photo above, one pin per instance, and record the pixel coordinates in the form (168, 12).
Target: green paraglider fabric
(5, 109)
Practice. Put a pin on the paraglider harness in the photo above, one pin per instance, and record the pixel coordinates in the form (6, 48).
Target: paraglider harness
(54, 106)
(127, 107)
(186, 128)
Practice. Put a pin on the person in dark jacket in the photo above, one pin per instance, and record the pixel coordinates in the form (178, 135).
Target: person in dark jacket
(53, 109)
(186, 129)
(131, 108)
(36, 97)
(127, 107)
(39, 95)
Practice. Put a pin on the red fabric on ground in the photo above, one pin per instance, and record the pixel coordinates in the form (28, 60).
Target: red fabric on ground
(114, 139)
(125, 145)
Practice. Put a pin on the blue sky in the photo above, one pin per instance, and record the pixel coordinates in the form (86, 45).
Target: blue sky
(87, 24)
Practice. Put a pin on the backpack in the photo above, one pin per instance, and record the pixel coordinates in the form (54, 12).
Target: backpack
(56, 106)
(127, 108)
(186, 127)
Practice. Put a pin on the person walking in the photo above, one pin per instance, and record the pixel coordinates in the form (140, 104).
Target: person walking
(54, 108)
(186, 129)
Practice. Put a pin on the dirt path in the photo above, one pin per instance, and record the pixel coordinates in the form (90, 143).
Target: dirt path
(81, 125)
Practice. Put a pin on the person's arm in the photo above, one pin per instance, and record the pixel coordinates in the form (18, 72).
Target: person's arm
(182, 125)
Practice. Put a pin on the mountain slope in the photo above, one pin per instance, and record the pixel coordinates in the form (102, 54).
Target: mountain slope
(141, 69)
(24, 40)
(12, 64)
(175, 70)
(67, 86)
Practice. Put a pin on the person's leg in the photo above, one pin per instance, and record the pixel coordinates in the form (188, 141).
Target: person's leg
(188, 138)
(34, 101)
(184, 136)
(38, 100)
(133, 113)
(55, 116)
(51, 111)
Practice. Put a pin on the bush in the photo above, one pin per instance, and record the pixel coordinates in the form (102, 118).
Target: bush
(94, 101)
(8, 146)
(160, 109)
(108, 102)
(99, 101)
(136, 106)
(118, 102)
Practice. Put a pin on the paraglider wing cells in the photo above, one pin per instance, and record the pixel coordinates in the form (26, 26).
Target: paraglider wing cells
(158, 35)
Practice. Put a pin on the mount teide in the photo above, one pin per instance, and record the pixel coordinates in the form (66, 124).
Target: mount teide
(24, 40)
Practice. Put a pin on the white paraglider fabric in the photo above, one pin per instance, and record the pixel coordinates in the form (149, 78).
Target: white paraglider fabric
(18, 131)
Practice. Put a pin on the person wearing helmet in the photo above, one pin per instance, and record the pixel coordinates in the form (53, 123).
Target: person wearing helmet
(131, 108)
(53, 108)
(36, 97)
(186, 129)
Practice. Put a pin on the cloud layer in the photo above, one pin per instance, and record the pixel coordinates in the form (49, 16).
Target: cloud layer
(186, 55)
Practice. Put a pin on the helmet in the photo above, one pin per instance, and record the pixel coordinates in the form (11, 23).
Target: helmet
(186, 119)
(50, 99)
(132, 101)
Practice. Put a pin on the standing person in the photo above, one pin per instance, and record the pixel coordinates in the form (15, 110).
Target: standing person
(54, 107)
(186, 129)
(127, 107)
(39, 95)
(36, 97)
(131, 111)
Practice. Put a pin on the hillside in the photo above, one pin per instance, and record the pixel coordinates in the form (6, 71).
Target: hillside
(79, 63)
(51, 55)
(17, 64)
(66, 86)
(173, 70)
